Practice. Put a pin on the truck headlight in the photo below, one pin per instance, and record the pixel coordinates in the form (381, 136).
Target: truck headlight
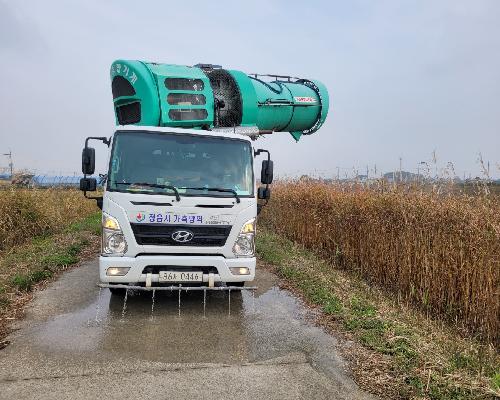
(117, 271)
(113, 240)
(244, 246)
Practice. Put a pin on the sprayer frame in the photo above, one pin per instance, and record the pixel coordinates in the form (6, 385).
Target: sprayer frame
(174, 288)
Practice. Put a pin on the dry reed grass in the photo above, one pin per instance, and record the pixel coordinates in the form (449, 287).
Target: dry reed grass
(439, 252)
(26, 213)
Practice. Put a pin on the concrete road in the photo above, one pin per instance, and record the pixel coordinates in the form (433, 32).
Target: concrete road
(78, 342)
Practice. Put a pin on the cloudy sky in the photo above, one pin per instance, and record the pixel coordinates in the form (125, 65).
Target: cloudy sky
(405, 77)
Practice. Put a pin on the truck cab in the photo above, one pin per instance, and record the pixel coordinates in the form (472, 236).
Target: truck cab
(178, 207)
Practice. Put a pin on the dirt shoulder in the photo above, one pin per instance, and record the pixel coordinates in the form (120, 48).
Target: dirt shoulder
(394, 350)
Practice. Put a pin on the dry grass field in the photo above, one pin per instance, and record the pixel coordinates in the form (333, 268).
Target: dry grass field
(28, 213)
(435, 249)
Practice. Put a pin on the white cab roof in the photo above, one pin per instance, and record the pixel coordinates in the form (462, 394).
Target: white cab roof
(167, 129)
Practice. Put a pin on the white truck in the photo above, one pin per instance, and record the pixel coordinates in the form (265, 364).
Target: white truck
(180, 197)
(178, 208)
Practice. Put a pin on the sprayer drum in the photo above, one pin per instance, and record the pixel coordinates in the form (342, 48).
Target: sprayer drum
(209, 97)
(228, 108)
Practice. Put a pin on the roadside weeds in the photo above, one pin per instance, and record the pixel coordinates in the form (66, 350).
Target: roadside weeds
(394, 351)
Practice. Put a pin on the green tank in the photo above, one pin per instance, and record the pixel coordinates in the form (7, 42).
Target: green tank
(207, 96)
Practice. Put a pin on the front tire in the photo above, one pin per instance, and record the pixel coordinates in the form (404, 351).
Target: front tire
(117, 291)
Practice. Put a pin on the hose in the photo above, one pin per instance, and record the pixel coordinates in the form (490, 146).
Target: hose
(268, 85)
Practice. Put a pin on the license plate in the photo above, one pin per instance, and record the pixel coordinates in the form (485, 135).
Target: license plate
(177, 276)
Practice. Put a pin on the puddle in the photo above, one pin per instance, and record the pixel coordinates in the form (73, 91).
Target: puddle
(181, 327)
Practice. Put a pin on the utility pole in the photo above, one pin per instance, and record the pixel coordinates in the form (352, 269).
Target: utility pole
(11, 165)
(400, 169)
(338, 173)
(434, 160)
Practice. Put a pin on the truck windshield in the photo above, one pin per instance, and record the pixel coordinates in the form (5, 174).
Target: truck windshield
(192, 165)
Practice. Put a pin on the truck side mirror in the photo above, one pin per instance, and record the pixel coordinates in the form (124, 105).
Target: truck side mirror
(264, 193)
(88, 160)
(88, 184)
(266, 174)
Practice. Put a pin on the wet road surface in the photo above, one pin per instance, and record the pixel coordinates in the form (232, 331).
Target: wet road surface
(78, 342)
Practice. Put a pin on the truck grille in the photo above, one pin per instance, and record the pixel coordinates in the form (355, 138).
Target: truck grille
(161, 235)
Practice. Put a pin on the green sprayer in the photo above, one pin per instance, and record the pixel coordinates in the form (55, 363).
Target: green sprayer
(208, 96)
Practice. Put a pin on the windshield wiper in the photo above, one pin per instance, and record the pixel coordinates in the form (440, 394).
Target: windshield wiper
(235, 194)
(153, 185)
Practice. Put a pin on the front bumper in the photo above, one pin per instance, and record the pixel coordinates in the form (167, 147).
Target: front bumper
(137, 265)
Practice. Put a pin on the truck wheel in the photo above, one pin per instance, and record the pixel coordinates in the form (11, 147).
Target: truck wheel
(117, 291)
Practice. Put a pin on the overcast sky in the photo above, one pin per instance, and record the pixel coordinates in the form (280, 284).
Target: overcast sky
(405, 77)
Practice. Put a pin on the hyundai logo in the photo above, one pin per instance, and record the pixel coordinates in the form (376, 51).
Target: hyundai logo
(182, 236)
